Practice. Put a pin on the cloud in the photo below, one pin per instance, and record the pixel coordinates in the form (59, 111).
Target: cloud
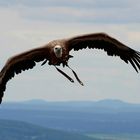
(97, 11)
(27, 24)
(72, 3)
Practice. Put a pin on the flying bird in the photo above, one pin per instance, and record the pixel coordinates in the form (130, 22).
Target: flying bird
(57, 52)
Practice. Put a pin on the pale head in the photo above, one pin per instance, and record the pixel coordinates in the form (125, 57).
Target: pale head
(58, 51)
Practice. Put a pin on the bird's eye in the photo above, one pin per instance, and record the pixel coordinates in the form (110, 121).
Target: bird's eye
(56, 48)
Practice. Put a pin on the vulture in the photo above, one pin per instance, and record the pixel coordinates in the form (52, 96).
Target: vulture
(57, 52)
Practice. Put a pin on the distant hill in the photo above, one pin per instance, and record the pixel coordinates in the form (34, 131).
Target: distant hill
(99, 106)
(17, 130)
(106, 116)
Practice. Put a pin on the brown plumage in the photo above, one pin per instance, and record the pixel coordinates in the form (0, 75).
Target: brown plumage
(57, 52)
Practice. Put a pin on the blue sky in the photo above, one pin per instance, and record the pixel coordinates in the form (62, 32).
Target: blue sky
(28, 24)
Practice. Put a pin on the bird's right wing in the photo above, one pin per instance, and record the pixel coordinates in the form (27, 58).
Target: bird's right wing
(21, 62)
(107, 43)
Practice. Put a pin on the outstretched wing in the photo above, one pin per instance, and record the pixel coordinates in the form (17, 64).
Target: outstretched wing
(19, 63)
(112, 46)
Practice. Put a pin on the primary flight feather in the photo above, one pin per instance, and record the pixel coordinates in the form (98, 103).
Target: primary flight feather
(57, 52)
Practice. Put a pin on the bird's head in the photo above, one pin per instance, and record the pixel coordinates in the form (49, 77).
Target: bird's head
(57, 51)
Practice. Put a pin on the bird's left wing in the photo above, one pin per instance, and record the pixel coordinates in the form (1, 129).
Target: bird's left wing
(105, 42)
(19, 63)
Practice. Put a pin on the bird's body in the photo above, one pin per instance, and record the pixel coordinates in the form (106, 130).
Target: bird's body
(57, 52)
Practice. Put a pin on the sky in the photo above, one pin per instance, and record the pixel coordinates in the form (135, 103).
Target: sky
(28, 24)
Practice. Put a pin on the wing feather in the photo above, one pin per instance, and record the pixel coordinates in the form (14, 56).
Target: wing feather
(107, 43)
(19, 63)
